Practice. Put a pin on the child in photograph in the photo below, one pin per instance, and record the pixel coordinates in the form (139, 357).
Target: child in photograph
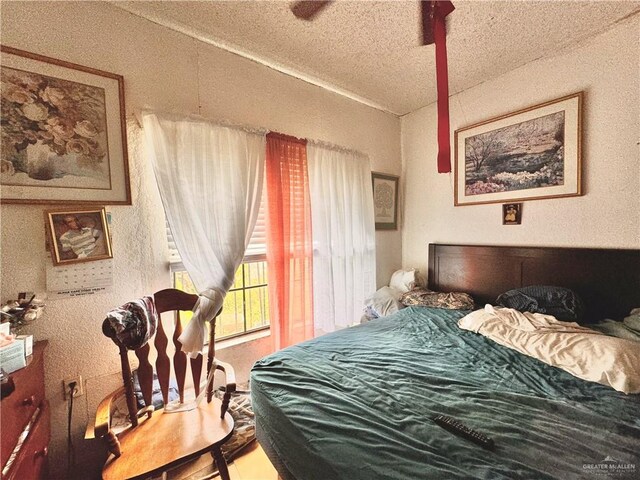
(83, 240)
(511, 214)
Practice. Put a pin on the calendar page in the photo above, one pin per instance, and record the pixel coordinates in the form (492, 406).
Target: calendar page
(79, 279)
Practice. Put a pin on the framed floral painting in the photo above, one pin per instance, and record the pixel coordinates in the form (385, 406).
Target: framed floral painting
(63, 133)
(530, 154)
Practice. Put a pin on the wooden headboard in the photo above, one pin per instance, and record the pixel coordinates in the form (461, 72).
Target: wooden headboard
(608, 280)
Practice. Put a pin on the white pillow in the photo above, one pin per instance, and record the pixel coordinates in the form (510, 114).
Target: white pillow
(582, 352)
(403, 280)
(384, 302)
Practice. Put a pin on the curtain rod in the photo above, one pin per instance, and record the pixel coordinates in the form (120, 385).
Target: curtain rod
(247, 128)
(284, 136)
(200, 118)
(338, 148)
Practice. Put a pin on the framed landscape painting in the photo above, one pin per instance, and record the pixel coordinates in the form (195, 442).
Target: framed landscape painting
(530, 154)
(63, 133)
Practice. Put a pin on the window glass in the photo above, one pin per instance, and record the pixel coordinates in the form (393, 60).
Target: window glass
(246, 306)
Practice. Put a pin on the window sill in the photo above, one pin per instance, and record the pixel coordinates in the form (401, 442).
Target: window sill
(232, 342)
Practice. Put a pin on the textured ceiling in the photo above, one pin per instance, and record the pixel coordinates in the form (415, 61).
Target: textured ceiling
(370, 50)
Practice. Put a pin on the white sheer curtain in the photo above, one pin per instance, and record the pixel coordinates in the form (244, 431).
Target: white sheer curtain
(210, 179)
(344, 261)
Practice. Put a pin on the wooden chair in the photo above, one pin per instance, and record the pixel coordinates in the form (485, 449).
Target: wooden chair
(157, 441)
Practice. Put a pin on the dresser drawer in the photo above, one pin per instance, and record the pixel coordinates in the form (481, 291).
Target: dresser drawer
(33, 460)
(19, 406)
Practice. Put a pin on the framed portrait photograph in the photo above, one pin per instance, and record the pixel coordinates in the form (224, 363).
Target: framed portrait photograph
(530, 154)
(63, 133)
(80, 235)
(511, 213)
(385, 200)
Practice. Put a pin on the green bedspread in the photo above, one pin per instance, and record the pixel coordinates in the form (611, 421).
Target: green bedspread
(356, 405)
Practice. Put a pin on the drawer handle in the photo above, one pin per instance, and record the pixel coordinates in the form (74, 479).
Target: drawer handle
(42, 453)
(29, 401)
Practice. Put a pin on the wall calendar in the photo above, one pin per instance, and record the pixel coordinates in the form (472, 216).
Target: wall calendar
(79, 279)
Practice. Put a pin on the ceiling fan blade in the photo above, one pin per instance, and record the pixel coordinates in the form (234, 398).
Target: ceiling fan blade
(308, 9)
(428, 10)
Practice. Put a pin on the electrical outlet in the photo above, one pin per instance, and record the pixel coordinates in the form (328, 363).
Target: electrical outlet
(78, 389)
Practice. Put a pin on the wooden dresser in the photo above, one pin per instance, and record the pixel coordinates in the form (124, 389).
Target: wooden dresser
(25, 418)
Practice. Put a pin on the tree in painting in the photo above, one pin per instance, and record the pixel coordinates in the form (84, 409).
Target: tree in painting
(483, 147)
(526, 155)
(383, 199)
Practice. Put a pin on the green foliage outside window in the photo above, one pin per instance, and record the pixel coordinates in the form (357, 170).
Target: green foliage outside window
(246, 306)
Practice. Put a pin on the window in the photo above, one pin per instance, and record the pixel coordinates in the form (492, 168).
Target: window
(246, 306)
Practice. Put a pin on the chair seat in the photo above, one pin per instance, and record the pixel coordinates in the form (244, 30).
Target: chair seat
(167, 439)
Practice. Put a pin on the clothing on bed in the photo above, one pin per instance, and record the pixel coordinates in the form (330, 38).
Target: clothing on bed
(383, 302)
(633, 320)
(356, 405)
(386, 300)
(629, 328)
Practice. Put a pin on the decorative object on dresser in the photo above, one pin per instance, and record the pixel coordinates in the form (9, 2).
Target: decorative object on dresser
(21, 312)
(529, 154)
(385, 200)
(25, 420)
(79, 235)
(63, 132)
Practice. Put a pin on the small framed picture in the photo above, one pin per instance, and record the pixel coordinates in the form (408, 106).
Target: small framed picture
(511, 213)
(80, 235)
(385, 200)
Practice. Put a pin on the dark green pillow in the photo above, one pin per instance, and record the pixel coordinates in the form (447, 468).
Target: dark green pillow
(562, 303)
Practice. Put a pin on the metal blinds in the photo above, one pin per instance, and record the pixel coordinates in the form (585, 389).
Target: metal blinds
(174, 256)
(257, 248)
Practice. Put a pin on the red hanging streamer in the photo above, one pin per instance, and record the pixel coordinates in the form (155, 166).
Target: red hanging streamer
(440, 9)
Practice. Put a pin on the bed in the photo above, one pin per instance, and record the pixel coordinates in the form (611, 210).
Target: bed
(357, 404)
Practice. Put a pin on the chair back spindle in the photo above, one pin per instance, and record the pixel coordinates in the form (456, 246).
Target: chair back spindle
(128, 386)
(196, 372)
(211, 353)
(145, 374)
(163, 365)
(179, 357)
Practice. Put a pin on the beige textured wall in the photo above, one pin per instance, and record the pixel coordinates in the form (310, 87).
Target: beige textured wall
(165, 71)
(608, 215)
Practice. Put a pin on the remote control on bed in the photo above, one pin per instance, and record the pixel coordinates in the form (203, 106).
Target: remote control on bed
(454, 426)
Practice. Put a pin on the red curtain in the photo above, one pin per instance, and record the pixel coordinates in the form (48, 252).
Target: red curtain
(289, 244)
